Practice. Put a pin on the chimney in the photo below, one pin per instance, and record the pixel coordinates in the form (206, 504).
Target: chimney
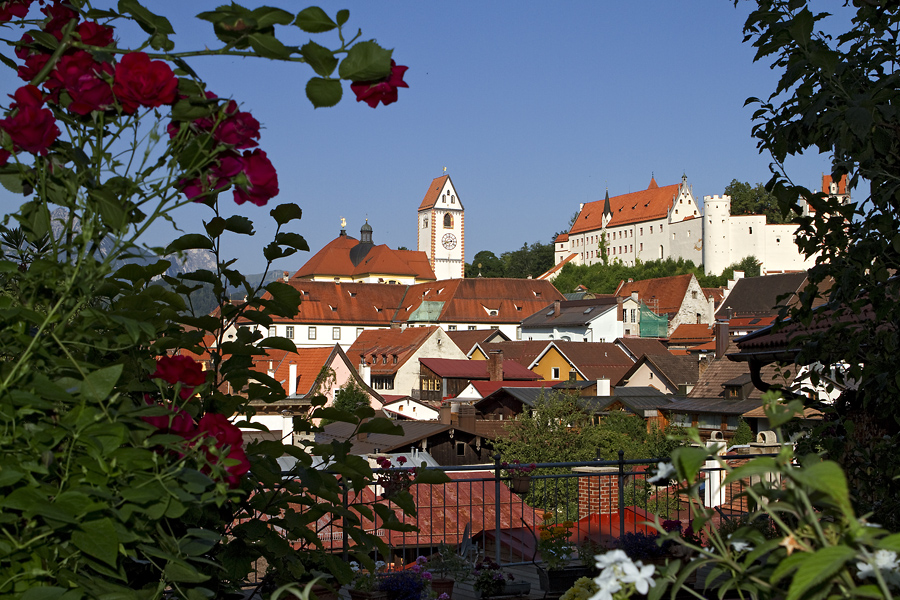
(598, 490)
(467, 418)
(445, 414)
(365, 372)
(603, 387)
(556, 308)
(495, 365)
(634, 296)
(292, 379)
(286, 275)
(721, 334)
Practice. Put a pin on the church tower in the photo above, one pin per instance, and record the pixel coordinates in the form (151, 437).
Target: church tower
(441, 229)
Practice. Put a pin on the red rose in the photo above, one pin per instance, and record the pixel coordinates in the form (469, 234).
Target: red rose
(180, 369)
(59, 17)
(218, 178)
(262, 178)
(31, 127)
(238, 129)
(228, 438)
(142, 82)
(14, 8)
(384, 90)
(85, 80)
(95, 34)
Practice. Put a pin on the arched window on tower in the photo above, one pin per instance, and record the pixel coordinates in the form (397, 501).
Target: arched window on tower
(448, 221)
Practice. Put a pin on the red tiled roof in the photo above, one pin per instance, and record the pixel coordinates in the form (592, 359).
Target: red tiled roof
(334, 261)
(642, 346)
(717, 294)
(523, 352)
(750, 322)
(470, 300)
(327, 302)
(652, 203)
(563, 237)
(827, 181)
(388, 343)
(434, 191)
(309, 363)
(668, 292)
(596, 360)
(690, 333)
(466, 339)
(452, 368)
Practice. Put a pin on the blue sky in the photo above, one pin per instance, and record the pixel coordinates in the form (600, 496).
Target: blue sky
(532, 107)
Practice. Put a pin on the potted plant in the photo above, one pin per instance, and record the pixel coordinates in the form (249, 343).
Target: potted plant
(364, 585)
(556, 554)
(642, 546)
(448, 567)
(519, 475)
(490, 580)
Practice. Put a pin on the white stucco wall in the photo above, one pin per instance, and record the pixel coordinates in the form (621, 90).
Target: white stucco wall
(439, 345)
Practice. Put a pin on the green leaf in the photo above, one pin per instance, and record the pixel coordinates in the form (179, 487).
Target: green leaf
(268, 46)
(757, 466)
(891, 542)
(818, 568)
(688, 461)
(366, 61)
(287, 212)
(98, 539)
(43, 593)
(215, 227)
(324, 92)
(98, 385)
(321, 59)
(267, 16)
(314, 20)
(291, 239)
(12, 182)
(239, 224)
(183, 573)
(279, 343)
(189, 241)
(828, 478)
(860, 121)
(343, 16)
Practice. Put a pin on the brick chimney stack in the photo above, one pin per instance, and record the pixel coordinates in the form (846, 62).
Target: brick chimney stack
(721, 334)
(556, 308)
(598, 490)
(495, 365)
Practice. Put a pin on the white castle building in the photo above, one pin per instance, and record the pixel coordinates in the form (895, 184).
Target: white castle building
(666, 222)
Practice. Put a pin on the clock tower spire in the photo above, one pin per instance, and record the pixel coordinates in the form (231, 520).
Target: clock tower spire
(441, 229)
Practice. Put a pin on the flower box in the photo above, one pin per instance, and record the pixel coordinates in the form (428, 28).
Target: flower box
(557, 581)
(520, 484)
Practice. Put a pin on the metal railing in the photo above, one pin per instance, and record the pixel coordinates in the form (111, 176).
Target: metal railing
(487, 507)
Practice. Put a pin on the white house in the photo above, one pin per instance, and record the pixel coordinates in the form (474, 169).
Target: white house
(595, 320)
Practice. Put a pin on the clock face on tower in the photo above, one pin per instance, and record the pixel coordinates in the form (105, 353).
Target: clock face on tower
(449, 241)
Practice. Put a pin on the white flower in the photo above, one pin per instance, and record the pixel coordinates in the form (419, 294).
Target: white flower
(613, 557)
(741, 546)
(607, 587)
(379, 565)
(664, 472)
(354, 566)
(640, 575)
(883, 560)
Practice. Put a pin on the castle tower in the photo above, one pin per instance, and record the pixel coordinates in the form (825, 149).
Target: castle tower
(441, 229)
(716, 234)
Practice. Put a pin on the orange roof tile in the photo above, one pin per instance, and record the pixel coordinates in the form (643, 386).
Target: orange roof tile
(668, 292)
(690, 333)
(434, 191)
(652, 203)
(327, 302)
(334, 261)
(827, 181)
(563, 237)
(557, 267)
(385, 344)
(309, 363)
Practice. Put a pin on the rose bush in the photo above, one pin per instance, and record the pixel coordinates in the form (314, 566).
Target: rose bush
(123, 469)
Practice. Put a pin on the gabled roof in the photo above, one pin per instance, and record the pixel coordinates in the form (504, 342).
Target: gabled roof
(636, 400)
(527, 396)
(662, 295)
(757, 296)
(675, 369)
(717, 294)
(524, 352)
(434, 192)
(690, 334)
(334, 260)
(750, 322)
(826, 184)
(553, 271)
(480, 300)
(385, 344)
(646, 205)
(346, 303)
(452, 368)
(413, 431)
(635, 348)
(571, 312)
(713, 405)
(722, 370)
(596, 360)
(467, 339)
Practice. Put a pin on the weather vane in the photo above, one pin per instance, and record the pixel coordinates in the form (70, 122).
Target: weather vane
(343, 223)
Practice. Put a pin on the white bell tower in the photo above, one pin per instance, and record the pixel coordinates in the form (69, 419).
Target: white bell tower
(441, 229)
